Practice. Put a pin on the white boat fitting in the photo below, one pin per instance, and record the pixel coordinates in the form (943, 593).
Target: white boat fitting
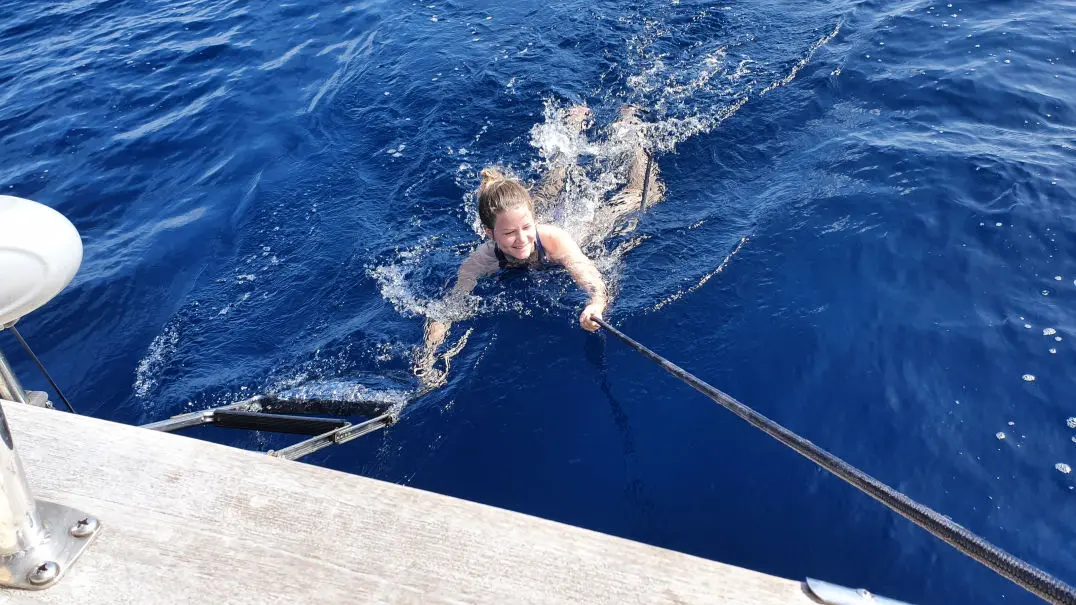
(40, 252)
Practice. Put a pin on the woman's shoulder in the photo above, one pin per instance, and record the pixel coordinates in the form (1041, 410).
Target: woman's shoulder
(482, 259)
(555, 240)
(551, 231)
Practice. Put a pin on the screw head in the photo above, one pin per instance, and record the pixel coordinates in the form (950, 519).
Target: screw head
(45, 573)
(84, 528)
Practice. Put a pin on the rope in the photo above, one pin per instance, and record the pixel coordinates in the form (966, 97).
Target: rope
(42, 368)
(646, 179)
(1027, 576)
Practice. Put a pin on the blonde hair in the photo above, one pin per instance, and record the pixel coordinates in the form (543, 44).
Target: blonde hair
(498, 193)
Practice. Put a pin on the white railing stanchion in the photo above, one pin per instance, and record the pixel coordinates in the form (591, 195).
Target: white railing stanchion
(39, 540)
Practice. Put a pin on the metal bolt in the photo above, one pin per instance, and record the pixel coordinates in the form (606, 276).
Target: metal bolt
(84, 528)
(45, 573)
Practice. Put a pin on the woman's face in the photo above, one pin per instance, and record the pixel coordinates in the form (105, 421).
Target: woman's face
(514, 231)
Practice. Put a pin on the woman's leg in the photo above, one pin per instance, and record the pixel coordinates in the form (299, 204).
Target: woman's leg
(552, 183)
(629, 199)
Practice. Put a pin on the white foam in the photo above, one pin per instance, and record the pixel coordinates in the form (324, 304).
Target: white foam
(149, 368)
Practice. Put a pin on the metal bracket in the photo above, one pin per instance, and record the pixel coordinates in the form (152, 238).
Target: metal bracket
(266, 413)
(833, 594)
(39, 399)
(66, 533)
(39, 540)
(334, 437)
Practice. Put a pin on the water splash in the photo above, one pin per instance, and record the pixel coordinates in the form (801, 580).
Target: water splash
(156, 359)
(352, 390)
(686, 94)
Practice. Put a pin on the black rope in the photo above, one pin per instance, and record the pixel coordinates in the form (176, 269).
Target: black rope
(1027, 576)
(55, 386)
(646, 179)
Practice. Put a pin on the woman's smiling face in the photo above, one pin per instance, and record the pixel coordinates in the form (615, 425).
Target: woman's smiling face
(515, 231)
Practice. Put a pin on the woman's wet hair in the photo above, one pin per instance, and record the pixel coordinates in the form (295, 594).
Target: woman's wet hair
(498, 193)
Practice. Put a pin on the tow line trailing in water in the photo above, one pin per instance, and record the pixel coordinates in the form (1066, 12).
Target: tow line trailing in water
(1020, 572)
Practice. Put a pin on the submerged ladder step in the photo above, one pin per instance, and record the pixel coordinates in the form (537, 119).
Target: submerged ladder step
(277, 423)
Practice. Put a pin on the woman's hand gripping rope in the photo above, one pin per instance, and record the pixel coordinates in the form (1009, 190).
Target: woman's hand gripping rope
(590, 313)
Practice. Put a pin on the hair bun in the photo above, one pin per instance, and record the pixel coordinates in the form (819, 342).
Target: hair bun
(490, 176)
(499, 192)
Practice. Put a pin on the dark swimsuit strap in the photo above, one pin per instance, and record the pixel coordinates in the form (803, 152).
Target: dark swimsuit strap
(503, 261)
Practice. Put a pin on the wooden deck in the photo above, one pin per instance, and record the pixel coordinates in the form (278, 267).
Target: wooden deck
(186, 521)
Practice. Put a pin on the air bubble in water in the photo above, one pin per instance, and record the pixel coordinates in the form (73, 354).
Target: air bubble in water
(1064, 468)
(1029, 377)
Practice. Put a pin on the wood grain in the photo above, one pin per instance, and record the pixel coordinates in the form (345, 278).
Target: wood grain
(187, 521)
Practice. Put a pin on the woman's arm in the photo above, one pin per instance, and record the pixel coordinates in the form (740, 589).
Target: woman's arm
(481, 262)
(562, 249)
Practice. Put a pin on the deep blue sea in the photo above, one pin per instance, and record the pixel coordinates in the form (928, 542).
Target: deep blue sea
(273, 195)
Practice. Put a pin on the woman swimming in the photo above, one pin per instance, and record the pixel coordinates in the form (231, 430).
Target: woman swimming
(518, 241)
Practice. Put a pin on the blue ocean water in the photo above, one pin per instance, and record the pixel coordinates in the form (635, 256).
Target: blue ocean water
(271, 194)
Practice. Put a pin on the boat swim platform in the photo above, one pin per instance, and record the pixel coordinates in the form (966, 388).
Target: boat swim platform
(189, 521)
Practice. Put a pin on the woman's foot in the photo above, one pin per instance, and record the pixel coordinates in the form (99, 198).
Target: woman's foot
(629, 114)
(579, 117)
(628, 128)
